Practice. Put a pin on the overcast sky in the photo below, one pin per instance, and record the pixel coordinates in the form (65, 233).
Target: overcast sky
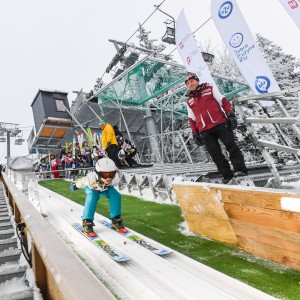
(64, 45)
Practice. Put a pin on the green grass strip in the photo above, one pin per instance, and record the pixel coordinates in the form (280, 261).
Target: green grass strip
(161, 223)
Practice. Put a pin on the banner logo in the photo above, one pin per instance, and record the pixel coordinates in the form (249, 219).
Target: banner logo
(262, 84)
(225, 10)
(188, 50)
(293, 4)
(236, 40)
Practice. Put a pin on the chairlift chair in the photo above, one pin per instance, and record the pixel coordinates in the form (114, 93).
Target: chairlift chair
(169, 36)
(19, 138)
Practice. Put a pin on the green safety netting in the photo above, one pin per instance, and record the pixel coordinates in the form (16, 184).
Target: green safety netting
(158, 77)
(150, 80)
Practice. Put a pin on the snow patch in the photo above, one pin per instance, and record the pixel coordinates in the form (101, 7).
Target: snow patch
(291, 162)
(57, 278)
(178, 179)
(184, 229)
(13, 285)
(218, 197)
(292, 204)
(43, 251)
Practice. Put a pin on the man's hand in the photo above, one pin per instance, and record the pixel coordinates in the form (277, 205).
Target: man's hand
(231, 120)
(198, 139)
(73, 186)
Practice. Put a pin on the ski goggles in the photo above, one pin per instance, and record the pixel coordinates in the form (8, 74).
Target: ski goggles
(106, 175)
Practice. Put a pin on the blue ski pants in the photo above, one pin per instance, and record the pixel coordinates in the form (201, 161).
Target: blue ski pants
(91, 200)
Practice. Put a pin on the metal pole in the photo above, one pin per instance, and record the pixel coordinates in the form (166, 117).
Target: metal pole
(76, 121)
(93, 112)
(149, 121)
(125, 123)
(173, 136)
(8, 149)
(161, 131)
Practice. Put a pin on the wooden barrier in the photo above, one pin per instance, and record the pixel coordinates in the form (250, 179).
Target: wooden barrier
(58, 271)
(264, 222)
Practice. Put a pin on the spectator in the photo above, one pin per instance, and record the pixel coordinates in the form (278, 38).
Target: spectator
(54, 165)
(130, 151)
(117, 131)
(109, 142)
(43, 167)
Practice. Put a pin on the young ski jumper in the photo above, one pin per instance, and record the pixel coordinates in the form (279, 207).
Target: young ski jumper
(97, 183)
(212, 119)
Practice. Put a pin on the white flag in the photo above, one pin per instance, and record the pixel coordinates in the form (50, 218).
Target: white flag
(189, 52)
(293, 9)
(241, 44)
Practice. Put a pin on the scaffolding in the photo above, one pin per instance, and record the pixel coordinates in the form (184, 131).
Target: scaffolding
(147, 102)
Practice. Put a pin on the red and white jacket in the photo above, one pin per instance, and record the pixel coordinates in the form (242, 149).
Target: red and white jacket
(207, 107)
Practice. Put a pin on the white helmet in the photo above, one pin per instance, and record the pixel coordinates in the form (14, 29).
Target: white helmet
(105, 165)
(94, 155)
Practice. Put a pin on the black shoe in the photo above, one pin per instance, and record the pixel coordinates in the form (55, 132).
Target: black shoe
(240, 173)
(87, 227)
(226, 180)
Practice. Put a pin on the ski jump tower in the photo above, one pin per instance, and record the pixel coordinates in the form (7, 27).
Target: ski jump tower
(51, 121)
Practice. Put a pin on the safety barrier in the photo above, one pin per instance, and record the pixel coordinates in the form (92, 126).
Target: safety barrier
(264, 222)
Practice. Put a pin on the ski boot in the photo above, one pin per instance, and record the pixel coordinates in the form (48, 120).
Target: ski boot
(87, 228)
(227, 180)
(117, 224)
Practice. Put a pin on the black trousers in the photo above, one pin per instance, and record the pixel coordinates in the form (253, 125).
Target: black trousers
(131, 161)
(112, 152)
(211, 139)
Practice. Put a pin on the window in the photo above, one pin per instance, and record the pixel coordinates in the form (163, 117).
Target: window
(60, 105)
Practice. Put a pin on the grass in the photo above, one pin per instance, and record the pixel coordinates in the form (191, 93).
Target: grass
(161, 222)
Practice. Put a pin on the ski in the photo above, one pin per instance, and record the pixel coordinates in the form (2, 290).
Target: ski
(137, 239)
(100, 243)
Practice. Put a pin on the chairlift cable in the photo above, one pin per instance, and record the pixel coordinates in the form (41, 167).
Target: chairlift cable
(193, 32)
(156, 8)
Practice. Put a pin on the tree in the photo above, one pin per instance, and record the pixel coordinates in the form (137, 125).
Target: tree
(283, 66)
(224, 65)
(148, 43)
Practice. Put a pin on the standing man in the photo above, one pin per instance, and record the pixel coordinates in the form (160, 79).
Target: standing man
(109, 142)
(212, 119)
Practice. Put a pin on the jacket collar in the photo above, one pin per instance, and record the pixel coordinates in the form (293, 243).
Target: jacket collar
(194, 93)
